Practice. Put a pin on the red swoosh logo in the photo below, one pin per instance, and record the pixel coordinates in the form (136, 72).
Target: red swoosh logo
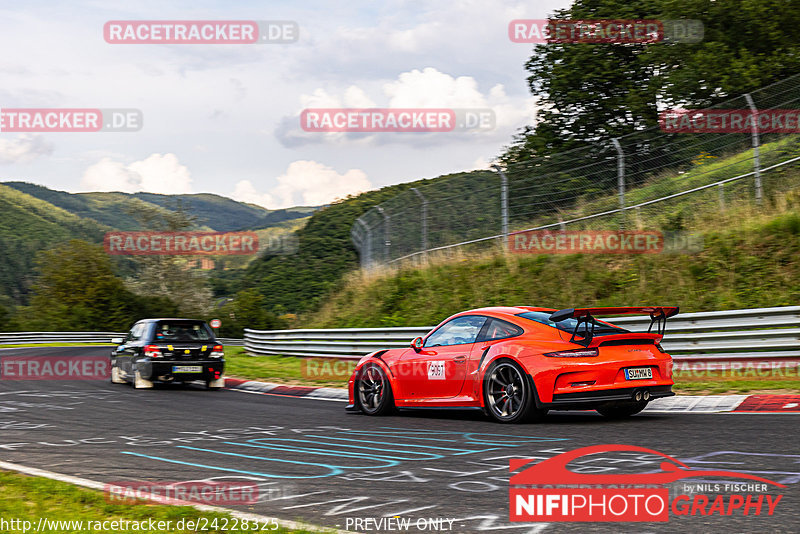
(554, 470)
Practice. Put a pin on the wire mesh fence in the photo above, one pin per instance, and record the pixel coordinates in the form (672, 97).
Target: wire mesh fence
(655, 178)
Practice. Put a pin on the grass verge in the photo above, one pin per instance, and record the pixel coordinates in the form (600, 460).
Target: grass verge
(322, 372)
(27, 498)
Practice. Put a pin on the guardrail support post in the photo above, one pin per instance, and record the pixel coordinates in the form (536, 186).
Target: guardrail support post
(756, 149)
(620, 181)
(424, 221)
(721, 188)
(503, 205)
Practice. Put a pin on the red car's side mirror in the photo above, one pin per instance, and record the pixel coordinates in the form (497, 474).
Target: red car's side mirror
(416, 344)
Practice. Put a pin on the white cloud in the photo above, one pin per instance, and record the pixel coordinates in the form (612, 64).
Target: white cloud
(425, 88)
(158, 173)
(245, 191)
(306, 183)
(24, 148)
(429, 88)
(316, 184)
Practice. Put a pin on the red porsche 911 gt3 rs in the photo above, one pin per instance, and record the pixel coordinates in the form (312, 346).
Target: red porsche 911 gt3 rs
(516, 363)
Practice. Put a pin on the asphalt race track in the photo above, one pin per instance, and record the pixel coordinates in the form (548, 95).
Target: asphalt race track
(315, 463)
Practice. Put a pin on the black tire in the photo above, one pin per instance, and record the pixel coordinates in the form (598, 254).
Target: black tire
(373, 392)
(621, 409)
(508, 394)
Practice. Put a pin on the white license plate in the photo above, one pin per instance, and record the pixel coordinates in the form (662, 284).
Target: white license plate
(638, 373)
(187, 369)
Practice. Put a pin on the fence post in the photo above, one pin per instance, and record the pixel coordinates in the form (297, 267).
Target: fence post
(620, 180)
(503, 205)
(721, 188)
(366, 246)
(387, 243)
(756, 150)
(424, 225)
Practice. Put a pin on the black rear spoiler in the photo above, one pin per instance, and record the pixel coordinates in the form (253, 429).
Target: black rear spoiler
(658, 317)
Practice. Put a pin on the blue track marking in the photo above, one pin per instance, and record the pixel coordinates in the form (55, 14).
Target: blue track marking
(460, 451)
(422, 454)
(339, 468)
(390, 461)
(334, 470)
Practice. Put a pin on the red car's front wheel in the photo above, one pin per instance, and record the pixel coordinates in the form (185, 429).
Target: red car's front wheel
(373, 391)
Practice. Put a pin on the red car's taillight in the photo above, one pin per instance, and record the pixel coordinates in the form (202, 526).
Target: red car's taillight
(217, 351)
(152, 351)
(577, 353)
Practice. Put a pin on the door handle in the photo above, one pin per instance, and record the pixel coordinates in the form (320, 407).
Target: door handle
(460, 359)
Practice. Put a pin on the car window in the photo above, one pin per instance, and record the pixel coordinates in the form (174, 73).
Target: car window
(182, 331)
(458, 331)
(499, 329)
(136, 332)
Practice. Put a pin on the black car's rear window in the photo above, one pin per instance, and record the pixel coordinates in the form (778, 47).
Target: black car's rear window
(182, 331)
(568, 325)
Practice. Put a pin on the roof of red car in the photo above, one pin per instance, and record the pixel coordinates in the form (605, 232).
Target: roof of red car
(509, 310)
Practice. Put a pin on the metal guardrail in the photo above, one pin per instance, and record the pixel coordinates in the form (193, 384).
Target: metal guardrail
(750, 334)
(37, 338)
(11, 338)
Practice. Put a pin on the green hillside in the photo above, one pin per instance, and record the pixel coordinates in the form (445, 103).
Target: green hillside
(212, 211)
(749, 260)
(27, 225)
(299, 282)
(35, 218)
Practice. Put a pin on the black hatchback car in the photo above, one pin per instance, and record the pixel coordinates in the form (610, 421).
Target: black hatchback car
(168, 350)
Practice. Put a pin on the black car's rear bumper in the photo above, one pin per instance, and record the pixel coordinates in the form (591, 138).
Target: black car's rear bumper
(166, 370)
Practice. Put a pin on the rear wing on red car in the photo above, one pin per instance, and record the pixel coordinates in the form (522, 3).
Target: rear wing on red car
(585, 316)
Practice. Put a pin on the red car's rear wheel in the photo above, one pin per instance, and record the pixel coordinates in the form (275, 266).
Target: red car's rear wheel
(508, 394)
(373, 391)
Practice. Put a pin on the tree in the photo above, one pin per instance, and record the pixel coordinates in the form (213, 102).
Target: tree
(247, 310)
(77, 290)
(590, 93)
(171, 277)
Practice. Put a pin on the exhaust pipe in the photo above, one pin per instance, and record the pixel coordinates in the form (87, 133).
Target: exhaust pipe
(646, 395)
(637, 396)
(166, 378)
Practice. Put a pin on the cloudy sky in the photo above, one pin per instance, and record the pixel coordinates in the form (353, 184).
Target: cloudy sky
(224, 118)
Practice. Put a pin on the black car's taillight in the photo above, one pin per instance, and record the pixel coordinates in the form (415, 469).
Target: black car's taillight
(217, 352)
(152, 351)
(576, 353)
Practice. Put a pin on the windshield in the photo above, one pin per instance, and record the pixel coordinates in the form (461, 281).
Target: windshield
(182, 331)
(568, 325)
